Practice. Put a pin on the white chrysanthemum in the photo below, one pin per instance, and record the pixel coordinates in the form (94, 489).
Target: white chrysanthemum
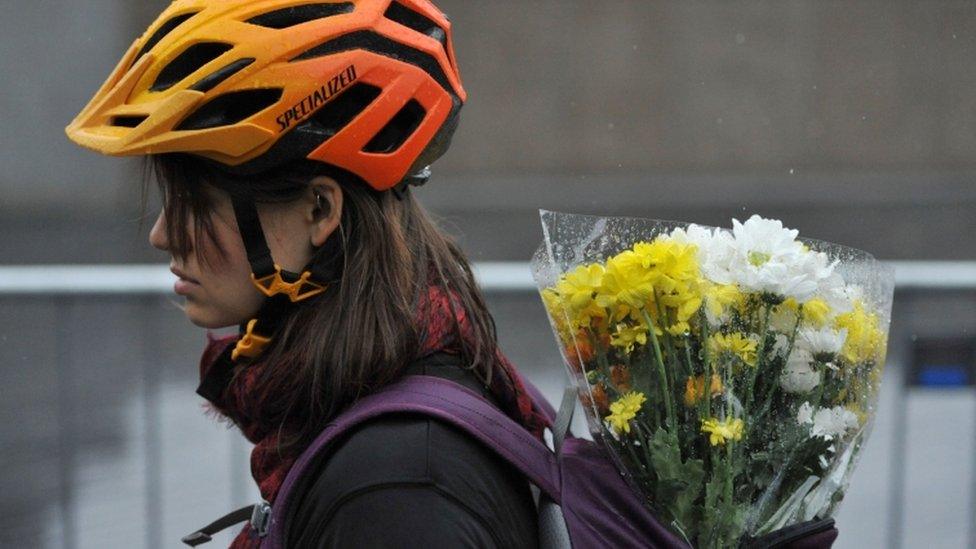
(715, 250)
(839, 296)
(781, 345)
(804, 414)
(767, 258)
(798, 375)
(823, 341)
(830, 423)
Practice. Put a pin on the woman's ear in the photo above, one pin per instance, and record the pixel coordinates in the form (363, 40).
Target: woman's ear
(324, 210)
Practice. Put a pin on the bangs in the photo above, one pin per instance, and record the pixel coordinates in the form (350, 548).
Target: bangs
(185, 182)
(187, 206)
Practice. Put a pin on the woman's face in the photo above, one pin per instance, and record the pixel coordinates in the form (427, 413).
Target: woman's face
(220, 292)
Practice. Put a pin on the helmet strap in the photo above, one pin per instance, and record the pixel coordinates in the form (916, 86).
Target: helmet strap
(282, 288)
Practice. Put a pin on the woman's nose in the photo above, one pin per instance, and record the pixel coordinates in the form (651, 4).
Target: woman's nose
(157, 236)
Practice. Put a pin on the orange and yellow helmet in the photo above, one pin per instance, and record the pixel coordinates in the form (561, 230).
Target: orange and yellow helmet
(369, 86)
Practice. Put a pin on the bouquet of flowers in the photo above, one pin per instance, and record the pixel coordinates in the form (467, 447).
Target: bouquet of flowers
(733, 375)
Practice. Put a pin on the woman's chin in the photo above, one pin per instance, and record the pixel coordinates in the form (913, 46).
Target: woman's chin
(209, 319)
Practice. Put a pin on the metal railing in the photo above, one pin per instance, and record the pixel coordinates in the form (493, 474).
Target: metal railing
(493, 277)
(68, 282)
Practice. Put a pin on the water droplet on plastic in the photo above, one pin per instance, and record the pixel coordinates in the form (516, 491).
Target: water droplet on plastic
(740, 38)
(792, 171)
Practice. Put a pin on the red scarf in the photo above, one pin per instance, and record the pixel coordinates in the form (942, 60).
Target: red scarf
(269, 468)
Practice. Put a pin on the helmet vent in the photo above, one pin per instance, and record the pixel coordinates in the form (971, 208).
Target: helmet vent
(408, 18)
(211, 81)
(188, 62)
(230, 108)
(163, 30)
(398, 130)
(129, 121)
(296, 15)
(339, 112)
(370, 41)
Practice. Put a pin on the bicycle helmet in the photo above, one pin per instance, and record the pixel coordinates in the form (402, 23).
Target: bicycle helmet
(365, 85)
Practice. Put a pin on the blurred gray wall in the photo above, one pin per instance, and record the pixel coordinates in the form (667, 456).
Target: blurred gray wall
(854, 121)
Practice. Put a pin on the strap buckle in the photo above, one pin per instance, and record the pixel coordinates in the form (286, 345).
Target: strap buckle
(261, 519)
(206, 533)
(251, 344)
(274, 284)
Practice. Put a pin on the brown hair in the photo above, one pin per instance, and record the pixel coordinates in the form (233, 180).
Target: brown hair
(362, 331)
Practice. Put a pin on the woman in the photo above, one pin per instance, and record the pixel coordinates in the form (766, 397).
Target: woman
(285, 137)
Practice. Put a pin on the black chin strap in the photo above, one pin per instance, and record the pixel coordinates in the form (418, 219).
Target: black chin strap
(259, 255)
(284, 289)
(249, 225)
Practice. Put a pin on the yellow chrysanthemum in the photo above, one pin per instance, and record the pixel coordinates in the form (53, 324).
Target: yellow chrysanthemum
(625, 409)
(816, 313)
(719, 432)
(679, 280)
(626, 336)
(573, 297)
(720, 300)
(865, 340)
(736, 343)
(557, 311)
(695, 388)
(679, 328)
(720, 297)
(627, 286)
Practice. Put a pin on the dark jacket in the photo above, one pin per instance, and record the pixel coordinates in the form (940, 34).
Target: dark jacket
(413, 481)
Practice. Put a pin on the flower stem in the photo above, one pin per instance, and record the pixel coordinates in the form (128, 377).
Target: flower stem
(728, 474)
(643, 468)
(760, 358)
(673, 361)
(789, 350)
(665, 386)
(645, 444)
(707, 412)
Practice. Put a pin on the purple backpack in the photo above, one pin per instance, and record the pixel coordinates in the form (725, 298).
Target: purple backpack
(584, 501)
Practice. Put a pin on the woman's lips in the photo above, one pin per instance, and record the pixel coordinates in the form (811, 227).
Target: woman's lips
(185, 284)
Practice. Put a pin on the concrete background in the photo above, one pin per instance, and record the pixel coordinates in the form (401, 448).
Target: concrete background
(855, 121)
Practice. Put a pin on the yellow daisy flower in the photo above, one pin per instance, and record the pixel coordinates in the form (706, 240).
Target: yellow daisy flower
(626, 336)
(625, 409)
(721, 431)
(736, 343)
(865, 340)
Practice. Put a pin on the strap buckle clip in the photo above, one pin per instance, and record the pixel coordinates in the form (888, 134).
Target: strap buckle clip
(251, 344)
(275, 283)
(261, 519)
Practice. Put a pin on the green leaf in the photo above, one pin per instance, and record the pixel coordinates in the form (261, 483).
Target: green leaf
(679, 482)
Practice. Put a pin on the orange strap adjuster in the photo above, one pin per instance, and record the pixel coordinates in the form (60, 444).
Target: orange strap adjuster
(296, 291)
(251, 344)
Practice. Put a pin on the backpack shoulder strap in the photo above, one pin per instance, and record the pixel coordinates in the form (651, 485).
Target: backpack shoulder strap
(444, 400)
